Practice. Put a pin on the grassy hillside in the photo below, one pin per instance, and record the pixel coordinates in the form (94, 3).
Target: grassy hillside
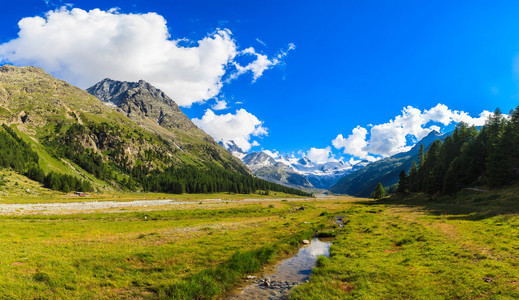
(418, 247)
(82, 144)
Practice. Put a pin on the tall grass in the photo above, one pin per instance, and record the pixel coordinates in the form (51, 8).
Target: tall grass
(214, 281)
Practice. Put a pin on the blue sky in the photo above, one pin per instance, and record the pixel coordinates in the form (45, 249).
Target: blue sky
(354, 63)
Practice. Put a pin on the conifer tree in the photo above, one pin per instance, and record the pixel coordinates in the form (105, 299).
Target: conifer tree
(403, 182)
(379, 191)
(413, 178)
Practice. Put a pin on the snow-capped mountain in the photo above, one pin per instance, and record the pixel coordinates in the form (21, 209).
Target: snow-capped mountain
(300, 172)
(233, 148)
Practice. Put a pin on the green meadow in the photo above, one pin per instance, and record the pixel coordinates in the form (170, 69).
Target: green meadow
(422, 247)
(411, 247)
(190, 251)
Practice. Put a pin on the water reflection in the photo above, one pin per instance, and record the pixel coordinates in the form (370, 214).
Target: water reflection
(287, 274)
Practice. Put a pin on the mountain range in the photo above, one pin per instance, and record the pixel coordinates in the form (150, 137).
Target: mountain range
(131, 135)
(294, 172)
(338, 177)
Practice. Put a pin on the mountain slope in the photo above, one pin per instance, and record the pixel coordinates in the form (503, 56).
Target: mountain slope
(362, 182)
(153, 110)
(140, 101)
(75, 134)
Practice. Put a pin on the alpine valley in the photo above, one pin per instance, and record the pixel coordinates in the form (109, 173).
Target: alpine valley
(337, 176)
(291, 171)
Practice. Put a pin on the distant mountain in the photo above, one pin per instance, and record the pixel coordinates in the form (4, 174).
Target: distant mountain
(363, 181)
(235, 150)
(292, 171)
(266, 167)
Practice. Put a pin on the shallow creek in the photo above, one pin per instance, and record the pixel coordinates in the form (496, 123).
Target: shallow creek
(287, 274)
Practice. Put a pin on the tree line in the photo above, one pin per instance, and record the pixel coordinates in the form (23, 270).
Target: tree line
(17, 155)
(205, 179)
(468, 157)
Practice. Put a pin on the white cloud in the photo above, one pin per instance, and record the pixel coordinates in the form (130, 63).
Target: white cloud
(84, 47)
(442, 114)
(220, 105)
(260, 64)
(390, 138)
(239, 127)
(272, 154)
(320, 155)
(354, 144)
(261, 42)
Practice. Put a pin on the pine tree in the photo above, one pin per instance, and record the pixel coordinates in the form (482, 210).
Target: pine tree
(379, 191)
(403, 182)
(421, 156)
(413, 178)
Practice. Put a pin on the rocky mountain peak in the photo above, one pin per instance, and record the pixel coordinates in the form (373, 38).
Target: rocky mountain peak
(304, 161)
(142, 102)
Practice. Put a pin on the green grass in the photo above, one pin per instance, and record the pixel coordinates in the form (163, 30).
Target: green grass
(414, 247)
(185, 252)
(417, 247)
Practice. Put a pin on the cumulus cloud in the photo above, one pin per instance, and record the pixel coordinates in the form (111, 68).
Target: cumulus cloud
(320, 155)
(239, 127)
(83, 47)
(220, 105)
(354, 144)
(390, 138)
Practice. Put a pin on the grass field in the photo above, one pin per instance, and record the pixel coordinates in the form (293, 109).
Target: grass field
(193, 251)
(463, 247)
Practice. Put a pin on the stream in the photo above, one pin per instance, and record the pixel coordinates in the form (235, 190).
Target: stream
(287, 274)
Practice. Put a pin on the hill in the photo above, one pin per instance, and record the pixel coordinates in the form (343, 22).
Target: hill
(74, 134)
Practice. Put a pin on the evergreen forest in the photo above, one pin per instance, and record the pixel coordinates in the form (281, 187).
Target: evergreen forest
(469, 157)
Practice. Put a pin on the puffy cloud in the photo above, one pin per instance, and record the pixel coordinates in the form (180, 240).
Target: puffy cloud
(84, 47)
(354, 144)
(239, 127)
(442, 114)
(387, 139)
(320, 155)
(390, 138)
(220, 105)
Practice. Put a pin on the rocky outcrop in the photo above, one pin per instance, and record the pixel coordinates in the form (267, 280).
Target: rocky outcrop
(140, 101)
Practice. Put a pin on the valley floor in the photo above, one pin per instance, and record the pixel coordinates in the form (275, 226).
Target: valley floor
(419, 248)
(197, 249)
